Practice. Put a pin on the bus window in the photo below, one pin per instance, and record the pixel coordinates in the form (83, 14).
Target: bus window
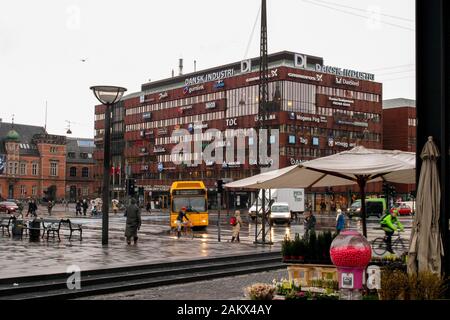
(193, 204)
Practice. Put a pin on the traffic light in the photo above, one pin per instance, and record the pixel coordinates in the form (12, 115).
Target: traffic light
(392, 191)
(131, 183)
(219, 186)
(385, 188)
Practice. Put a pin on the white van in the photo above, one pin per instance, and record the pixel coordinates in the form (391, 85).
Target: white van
(295, 198)
(280, 212)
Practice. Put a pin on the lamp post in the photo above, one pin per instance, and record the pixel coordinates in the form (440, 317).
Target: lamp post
(107, 95)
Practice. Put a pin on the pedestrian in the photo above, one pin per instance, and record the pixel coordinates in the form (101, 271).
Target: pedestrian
(340, 221)
(236, 226)
(180, 220)
(310, 224)
(134, 221)
(115, 207)
(85, 206)
(148, 206)
(333, 206)
(49, 207)
(78, 207)
(323, 206)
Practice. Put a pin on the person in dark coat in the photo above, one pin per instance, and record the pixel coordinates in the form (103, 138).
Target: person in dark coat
(78, 207)
(85, 206)
(134, 221)
(32, 208)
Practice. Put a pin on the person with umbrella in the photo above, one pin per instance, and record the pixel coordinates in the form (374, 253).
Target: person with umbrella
(390, 223)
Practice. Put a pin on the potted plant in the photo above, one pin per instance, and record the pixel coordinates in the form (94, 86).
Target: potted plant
(260, 291)
(285, 248)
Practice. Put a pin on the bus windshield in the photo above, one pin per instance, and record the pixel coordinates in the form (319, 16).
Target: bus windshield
(192, 204)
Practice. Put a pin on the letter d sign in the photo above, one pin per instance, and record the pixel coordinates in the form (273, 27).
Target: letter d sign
(300, 61)
(74, 280)
(246, 66)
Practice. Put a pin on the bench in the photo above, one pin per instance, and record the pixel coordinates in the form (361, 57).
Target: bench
(64, 223)
(6, 223)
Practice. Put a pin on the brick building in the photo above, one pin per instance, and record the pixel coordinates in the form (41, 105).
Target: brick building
(32, 162)
(80, 169)
(399, 130)
(319, 110)
(35, 164)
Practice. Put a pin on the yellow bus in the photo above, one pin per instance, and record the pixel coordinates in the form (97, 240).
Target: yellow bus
(194, 196)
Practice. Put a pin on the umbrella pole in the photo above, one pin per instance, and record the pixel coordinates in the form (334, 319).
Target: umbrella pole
(362, 190)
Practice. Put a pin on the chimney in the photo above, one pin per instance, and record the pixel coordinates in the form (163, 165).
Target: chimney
(181, 67)
(195, 65)
(173, 73)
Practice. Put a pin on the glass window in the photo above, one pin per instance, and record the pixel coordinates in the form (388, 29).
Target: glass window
(73, 172)
(53, 169)
(34, 169)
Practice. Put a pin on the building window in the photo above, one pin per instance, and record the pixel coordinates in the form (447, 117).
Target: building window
(53, 149)
(54, 169)
(23, 191)
(23, 169)
(34, 169)
(34, 190)
(84, 155)
(85, 172)
(71, 155)
(73, 172)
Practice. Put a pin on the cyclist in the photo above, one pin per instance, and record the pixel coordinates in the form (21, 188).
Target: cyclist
(390, 223)
(181, 215)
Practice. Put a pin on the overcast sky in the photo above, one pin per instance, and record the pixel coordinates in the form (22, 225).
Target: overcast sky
(128, 42)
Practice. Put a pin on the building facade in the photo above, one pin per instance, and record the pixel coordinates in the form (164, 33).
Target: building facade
(35, 164)
(314, 111)
(399, 124)
(80, 182)
(400, 130)
(32, 163)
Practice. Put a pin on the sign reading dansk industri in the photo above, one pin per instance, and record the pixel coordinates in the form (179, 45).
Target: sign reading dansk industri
(214, 76)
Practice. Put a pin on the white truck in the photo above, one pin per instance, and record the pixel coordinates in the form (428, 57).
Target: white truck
(295, 198)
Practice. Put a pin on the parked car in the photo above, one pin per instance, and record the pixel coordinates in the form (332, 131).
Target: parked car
(403, 209)
(374, 207)
(8, 207)
(280, 212)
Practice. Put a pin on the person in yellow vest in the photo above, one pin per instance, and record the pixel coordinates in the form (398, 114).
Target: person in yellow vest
(390, 223)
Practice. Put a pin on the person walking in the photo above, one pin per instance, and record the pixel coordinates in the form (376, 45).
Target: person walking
(237, 224)
(115, 207)
(323, 206)
(85, 206)
(340, 221)
(78, 208)
(148, 206)
(133, 224)
(310, 224)
(49, 207)
(32, 208)
(390, 223)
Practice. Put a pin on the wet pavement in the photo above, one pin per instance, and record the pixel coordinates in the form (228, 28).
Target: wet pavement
(20, 257)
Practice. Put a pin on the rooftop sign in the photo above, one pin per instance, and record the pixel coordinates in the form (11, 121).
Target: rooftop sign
(214, 76)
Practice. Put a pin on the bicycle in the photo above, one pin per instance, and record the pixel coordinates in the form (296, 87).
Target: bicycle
(379, 245)
(184, 228)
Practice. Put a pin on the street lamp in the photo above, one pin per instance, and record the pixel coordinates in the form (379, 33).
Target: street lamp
(107, 95)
